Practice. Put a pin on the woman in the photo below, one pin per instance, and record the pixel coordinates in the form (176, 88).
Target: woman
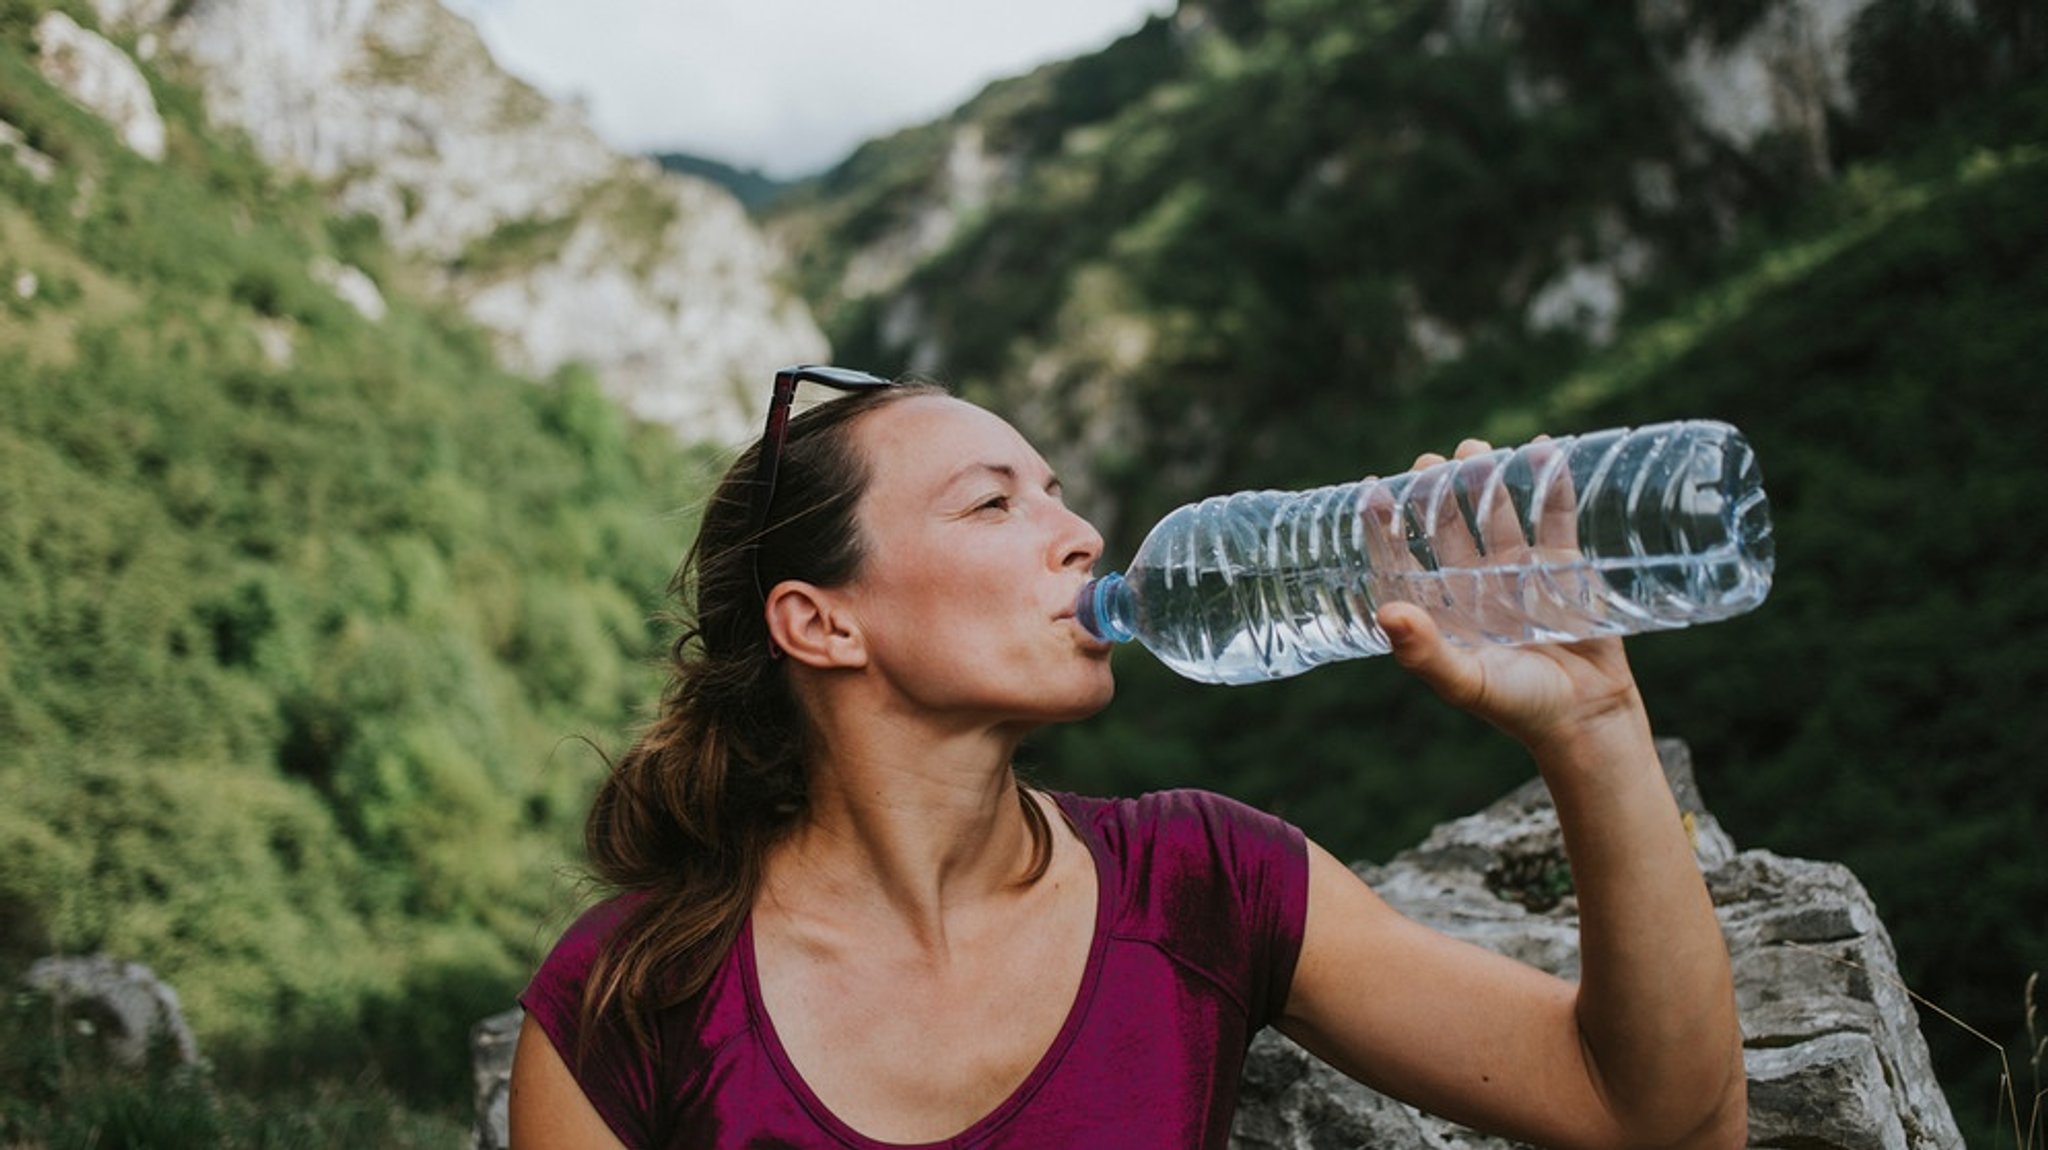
(842, 921)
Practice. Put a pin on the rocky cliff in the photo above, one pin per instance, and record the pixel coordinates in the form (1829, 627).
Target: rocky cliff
(566, 250)
(1764, 84)
(1358, 195)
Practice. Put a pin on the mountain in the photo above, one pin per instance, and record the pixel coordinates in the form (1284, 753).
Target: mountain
(567, 251)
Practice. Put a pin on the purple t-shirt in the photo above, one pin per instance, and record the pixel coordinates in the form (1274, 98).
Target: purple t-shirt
(1198, 925)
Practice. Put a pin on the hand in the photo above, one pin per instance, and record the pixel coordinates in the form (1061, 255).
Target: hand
(1539, 694)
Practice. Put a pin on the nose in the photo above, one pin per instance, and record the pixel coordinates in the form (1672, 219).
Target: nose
(1080, 544)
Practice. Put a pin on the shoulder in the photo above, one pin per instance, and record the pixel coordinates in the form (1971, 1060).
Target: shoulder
(634, 1081)
(1188, 826)
(1195, 856)
(557, 990)
(558, 984)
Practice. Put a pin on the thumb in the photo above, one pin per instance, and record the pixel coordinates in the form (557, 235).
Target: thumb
(1419, 645)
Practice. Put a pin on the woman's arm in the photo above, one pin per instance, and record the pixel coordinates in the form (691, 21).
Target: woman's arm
(1645, 1050)
(548, 1109)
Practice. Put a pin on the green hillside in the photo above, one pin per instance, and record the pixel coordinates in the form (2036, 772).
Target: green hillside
(1290, 184)
(300, 613)
(751, 187)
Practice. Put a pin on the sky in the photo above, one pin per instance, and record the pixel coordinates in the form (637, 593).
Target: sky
(786, 86)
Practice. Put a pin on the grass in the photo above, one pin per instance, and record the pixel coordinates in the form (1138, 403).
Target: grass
(71, 293)
(2025, 1134)
(61, 1090)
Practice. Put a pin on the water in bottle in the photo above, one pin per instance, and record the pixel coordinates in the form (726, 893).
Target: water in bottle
(1611, 533)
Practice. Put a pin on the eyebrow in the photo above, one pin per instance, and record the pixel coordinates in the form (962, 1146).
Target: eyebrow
(1002, 471)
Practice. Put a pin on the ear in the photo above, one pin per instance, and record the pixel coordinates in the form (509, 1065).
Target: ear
(808, 624)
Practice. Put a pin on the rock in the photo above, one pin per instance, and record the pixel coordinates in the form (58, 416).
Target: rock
(1784, 76)
(101, 77)
(1832, 1037)
(128, 15)
(491, 1044)
(398, 107)
(1832, 1042)
(353, 285)
(40, 167)
(565, 250)
(1833, 1048)
(685, 330)
(275, 341)
(1588, 294)
(967, 180)
(124, 1004)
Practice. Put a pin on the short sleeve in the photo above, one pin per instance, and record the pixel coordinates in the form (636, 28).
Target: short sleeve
(1224, 886)
(615, 1072)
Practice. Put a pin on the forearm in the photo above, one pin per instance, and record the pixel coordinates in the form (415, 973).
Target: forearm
(1656, 1004)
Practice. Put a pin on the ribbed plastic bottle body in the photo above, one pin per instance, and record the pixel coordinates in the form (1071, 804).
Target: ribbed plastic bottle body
(1616, 532)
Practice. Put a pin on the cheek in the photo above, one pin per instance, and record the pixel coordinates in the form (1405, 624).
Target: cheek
(949, 581)
(913, 605)
(956, 623)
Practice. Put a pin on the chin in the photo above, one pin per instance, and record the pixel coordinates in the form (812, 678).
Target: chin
(1094, 701)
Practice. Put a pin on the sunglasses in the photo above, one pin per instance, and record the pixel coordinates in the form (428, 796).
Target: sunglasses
(769, 459)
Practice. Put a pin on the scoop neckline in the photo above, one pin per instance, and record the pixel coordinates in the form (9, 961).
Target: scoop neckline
(1048, 1062)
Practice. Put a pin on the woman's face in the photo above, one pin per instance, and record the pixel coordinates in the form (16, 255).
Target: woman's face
(973, 563)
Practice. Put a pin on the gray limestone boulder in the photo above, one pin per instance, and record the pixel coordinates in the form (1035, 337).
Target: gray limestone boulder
(491, 1043)
(102, 79)
(1832, 1042)
(124, 1005)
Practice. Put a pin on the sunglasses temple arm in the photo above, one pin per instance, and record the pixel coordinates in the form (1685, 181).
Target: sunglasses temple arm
(771, 446)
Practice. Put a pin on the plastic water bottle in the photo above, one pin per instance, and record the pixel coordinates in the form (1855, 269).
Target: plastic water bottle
(1611, 533)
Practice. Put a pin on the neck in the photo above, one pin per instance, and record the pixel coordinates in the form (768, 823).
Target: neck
(917, 830)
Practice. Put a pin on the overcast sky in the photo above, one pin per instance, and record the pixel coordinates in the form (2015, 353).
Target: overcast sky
(787, 86)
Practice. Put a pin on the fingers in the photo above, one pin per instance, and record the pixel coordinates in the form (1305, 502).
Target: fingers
(1494, 514)
(1553, 504)
(1466, 449)
(1385, 533)
(1470, 516)
(1432, 537)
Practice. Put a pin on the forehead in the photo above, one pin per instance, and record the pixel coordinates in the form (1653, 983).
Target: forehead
(918, 445)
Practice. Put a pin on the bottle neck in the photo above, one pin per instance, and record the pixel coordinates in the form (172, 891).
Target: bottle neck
(1104, 609)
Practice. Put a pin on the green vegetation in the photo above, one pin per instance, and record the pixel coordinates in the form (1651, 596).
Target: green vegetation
(63, 1086)
(753, 188)
(303, 617)
(516, 246)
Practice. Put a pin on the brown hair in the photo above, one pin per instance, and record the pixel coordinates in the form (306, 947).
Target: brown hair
(688, 814)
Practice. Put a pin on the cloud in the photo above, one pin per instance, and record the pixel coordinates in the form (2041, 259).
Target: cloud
(789, 86)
